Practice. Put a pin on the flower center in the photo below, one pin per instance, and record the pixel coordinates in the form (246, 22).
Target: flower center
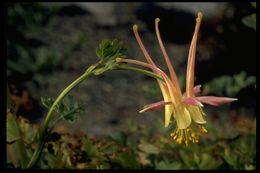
(188, 135)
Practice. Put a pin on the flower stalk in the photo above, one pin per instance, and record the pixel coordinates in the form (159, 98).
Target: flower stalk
(44, 130)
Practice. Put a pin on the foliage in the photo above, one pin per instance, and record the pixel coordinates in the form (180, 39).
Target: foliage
(122, 150)
(29, 15)
(152, 90)
(24, 18)
(34, 60)
(108, 51)
(229, 85)
(222, 85)
(67, 109)
(250, 20)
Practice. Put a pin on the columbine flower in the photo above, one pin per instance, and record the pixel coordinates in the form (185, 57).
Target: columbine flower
(185, 109)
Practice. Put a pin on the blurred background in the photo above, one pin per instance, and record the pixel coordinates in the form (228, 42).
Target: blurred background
(51, 44)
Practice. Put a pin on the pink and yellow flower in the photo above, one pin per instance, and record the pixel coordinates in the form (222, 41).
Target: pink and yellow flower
(185, 109)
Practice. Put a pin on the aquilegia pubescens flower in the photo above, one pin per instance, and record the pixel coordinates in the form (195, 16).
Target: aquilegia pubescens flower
(185, 109)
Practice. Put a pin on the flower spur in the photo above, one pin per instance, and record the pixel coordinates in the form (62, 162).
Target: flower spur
(186, 109)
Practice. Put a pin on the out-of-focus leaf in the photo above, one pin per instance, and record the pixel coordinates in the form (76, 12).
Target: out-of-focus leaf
(120, 137)
(208, 162)
(196, 158)
(89, 147)
(249, 167)
(12, 129)
(148, 148)
(189, 163)
(229, 85)
(109, 148)
(151, 91)
(34, 60)
(28, 130)
(250, 21)
(128, 160)
(253, 4)
(231, 159)
(166, 165)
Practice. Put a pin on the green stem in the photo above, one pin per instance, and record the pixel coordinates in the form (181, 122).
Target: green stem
(39, 148)
(142, 71)
(43, 132)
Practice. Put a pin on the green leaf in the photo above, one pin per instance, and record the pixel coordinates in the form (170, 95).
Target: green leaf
(253, 4)
(166, 165)
(250, 21)
(68, 108)
(110, 49)
(196, 158)
(12, 129)
(89, 147)
(109, 148)
(189, 163)
(47, 101)
(208, 162)
(149, 148)
(231, 159)
(229, 85)
(119, 137)
(249, 167)
(128, 160)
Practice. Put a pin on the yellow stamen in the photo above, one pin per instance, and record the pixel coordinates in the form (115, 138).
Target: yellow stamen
(173, 134)
(193, 135)
(174, 138)
(179, 140)
(203, 130)
(186, 142)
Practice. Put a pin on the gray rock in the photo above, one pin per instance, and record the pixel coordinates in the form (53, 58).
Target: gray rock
(209, 9)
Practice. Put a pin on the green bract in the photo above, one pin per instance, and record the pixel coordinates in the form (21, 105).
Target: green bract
(110, 49)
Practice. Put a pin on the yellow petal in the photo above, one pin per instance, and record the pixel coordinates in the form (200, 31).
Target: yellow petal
(168, 108)
(196, 114)
(182, 116)
(168, 114)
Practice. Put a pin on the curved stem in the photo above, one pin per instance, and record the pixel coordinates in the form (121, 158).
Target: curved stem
(39, 148)
(43, 132)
